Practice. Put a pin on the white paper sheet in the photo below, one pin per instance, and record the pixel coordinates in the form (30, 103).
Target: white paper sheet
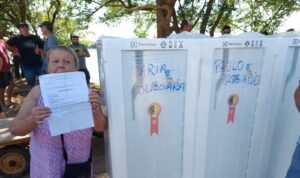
(66, 94)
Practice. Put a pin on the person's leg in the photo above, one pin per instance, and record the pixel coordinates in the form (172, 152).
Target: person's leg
(10, 88)
(2, 115)
(29, 74)
(39, 71)
(45, 66)
(22, 72)
(87, 75)
(3, 84)
(17, 67)
(2, 103)
(294, 169)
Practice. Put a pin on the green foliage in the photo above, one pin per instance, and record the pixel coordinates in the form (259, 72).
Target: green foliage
(68, 16)
(143, 21)
(263, 15)
(75, 15)
(244, 15)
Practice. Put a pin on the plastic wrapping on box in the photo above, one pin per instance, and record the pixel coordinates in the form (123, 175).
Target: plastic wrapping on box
(187, 35)
(201, 108)
(149, 87)
(287, 128)
(234, 86)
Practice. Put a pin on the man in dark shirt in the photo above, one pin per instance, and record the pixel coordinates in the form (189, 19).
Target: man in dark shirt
(28, 46)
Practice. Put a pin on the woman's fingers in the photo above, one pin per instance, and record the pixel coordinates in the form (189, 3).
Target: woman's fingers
(94, 98)
(40, 113)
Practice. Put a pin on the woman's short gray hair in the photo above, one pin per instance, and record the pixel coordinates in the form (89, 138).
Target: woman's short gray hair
(66, 49)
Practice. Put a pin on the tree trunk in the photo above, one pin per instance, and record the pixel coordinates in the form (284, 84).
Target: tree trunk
(218, 20)
(22, 7)
(206, 16)
(164, 13)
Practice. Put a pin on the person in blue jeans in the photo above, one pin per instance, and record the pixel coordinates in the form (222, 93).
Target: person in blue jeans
(28, 46)
(294, 169)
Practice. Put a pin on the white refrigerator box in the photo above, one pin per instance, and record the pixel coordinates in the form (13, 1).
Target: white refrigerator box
(287, 128)
(150, 88)
(236, 77)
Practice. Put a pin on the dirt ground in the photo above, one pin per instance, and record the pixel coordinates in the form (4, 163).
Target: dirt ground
(99, 164)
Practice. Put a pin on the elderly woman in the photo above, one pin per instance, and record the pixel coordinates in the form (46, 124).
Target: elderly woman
(47, 157)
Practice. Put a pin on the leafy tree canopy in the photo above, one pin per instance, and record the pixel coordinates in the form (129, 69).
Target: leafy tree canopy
(67, 16)
(206, 16)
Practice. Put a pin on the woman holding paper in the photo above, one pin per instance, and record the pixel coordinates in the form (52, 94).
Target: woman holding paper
(51, 157)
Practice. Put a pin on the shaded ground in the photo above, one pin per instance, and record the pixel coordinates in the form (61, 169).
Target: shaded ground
(99, 165)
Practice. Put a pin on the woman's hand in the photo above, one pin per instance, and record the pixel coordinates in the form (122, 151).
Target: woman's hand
(94, 98)
(100, 121)
(39, 114)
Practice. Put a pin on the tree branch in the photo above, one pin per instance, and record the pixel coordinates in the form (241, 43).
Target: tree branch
(206, 16)
(98, 8)
(57, 9)
(149, 7)
(274, 15)
(218, 19)
(198, 16)
(48, 11)
(123, 3)
(129, 3)
(175, 22)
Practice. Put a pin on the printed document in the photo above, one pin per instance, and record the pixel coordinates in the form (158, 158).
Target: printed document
(66, 94)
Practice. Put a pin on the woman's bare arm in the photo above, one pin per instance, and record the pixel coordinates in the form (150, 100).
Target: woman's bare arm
(297, 97)
(29, 114)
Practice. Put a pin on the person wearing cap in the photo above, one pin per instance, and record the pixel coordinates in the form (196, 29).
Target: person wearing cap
(81, 52)
(28, 46)
(51, 42)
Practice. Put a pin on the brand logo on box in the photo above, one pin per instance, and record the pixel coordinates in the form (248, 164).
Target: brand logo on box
(163, 44)
(135, 44)
(247, 43)
(175, 44)
(254, 43)
(296, 41)
(228, 44)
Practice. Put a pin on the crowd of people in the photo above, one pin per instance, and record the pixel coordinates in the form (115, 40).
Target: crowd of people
(29, 57)
(67, 155)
